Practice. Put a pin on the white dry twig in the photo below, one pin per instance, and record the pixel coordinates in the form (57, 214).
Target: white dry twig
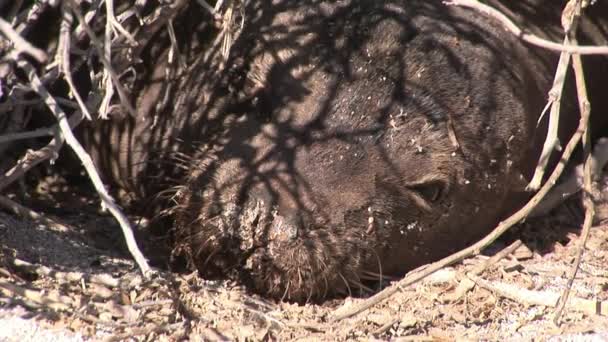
(588, 185)
(84, 157)
(124, 99)
(115, 24)
(551, 143)
(20, 44)
(63, 57)
(544, 298)
(527, 37)
(22, 211)
(574, 183)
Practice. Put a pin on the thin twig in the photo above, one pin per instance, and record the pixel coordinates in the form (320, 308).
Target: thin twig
(585, 108)
(64, 57)
(466, 284)
(117, 25)
(106, 79)
(574, 182)
(124, 99)
(216, 16)
(84, 157)
(50, 151)
(74, 120)
(570, 20)
(527, 37)
(73, 277)
(27, 213)
(31, 159)
(551, 141)
(20, 44)
(544, 298)
(38, 297)
(496, 257)
(29, 17)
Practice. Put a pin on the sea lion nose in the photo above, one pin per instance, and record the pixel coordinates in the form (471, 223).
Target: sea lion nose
(287, 226)
(283, 229)
(289, 219)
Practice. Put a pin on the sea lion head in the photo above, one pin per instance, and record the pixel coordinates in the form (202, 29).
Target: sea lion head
(360, 142)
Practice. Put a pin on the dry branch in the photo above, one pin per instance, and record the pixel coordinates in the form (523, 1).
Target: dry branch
(544, 298)
(574, 182)
(570, 19)
(86, 160)
(63, 57)
(99, 47)
(465, 284)
(73, 277)
(20, 44)
(24, 212)
(38, 297)
(31, 159)
(585, 108)
(527, 37)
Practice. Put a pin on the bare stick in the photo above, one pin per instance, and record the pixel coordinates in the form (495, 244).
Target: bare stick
(574, 182)
(64, 57)
(480, 245)
(496, 258)
(107, 200)
(106, 79)
(50, 151)
(74, 277)
(22, 211)
(466, 284)
(570, 19)
(585, 107)
(74, 120)
(38, 297)
(544, 298)
(20, 44)
(527, 37)
(28, 17)
(115, 24)
(31, 159)
(204, 4)
(551, 141)
(106, 63)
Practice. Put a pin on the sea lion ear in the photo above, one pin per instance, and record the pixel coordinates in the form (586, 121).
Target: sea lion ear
(430, 190)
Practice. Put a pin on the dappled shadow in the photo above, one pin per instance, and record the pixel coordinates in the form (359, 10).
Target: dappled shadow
(337, 142)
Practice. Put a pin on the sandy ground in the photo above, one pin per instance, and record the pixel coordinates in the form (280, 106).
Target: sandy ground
(75, 282)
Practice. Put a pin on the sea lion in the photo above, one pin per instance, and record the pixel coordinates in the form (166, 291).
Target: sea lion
(367, 138)
(342, 142)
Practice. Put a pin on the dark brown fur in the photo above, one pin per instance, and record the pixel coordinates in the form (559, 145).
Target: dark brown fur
(376, 136)
(349, 140)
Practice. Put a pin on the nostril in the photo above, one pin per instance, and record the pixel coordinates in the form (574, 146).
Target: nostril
(283, 229)
(287, 227)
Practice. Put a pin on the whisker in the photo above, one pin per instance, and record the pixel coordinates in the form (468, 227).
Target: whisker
(371, 275)
(380, 277)
(350, 294)
(362, 287)
(326, 284)
(286, 290)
